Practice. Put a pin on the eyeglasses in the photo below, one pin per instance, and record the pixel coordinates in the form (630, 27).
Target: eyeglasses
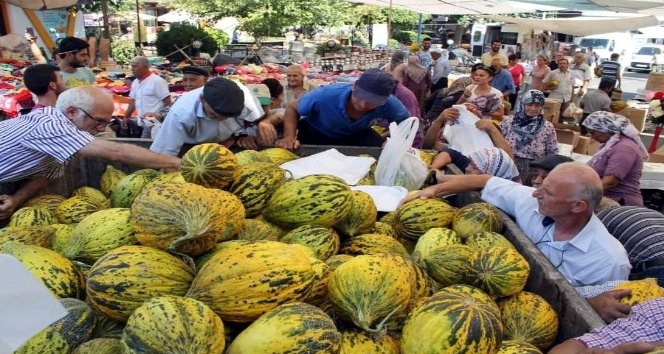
(100, 122)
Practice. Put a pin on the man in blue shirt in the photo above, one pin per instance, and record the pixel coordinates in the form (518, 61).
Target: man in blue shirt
(341, 114)
(503, 80)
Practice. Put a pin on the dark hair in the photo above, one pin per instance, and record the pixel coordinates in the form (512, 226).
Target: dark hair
(426, 39)
(615, 56)
(37, 78)
(71, 45)
(275, 87)
(496, 41)
(481, 66)
(512, 57)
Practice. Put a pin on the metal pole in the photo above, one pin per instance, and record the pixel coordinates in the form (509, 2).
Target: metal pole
(419, 29)
(138, 25)
(389, 23)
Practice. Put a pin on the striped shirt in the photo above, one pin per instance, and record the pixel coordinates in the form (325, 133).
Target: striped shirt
(640, 230)
(38, 144)
(610, 69)
(645, 323)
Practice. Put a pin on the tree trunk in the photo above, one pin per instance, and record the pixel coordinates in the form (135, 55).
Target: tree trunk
(106, 32)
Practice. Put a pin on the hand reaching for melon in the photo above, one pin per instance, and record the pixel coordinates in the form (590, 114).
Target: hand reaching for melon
(608, 305)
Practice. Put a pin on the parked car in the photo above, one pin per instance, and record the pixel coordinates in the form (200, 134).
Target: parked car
(647, 56)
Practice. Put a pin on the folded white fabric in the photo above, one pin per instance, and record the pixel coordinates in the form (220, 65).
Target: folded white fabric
(331, 162)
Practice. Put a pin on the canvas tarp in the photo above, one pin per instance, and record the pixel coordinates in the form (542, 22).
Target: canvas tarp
(580, 26)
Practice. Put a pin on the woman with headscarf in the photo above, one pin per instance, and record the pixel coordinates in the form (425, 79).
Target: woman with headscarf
(490, 161)
(529, 135)
(396, 65)
(417, 79)
(619, 162)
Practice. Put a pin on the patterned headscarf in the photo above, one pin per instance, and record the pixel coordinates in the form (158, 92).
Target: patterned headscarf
(414, 71)
(607, 122)
(496, 162)
(523, 126)
(459, 85)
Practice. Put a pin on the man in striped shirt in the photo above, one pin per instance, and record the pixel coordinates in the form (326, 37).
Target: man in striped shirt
(34, 148)
(611, 69)
(641, 332)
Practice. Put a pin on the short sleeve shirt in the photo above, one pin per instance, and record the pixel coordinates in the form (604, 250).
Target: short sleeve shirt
(325, 110)
(38, 144)
(81, 77)
(149, 94)
(623, 161)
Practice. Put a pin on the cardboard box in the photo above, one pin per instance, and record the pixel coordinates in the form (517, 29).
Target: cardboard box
(657, 158)
(552, 109)
(587, 146)
(569, 137)
(635, 115)
(655, 82)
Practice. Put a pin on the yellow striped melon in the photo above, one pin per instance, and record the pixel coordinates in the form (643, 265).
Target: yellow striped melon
(415, 218)
(456, 320)
(321, 200)
(289, 328)
(99, 233)
(248, 157)
(278, 155)
(369, 289)
(256, 229)
(31, 216)
(185, 218)
(34, 235)
(60, 276)
(476, 217)
(499, 271)
(46, 201)
(434, 238)
(173, 324)
(242, 283)
(449, 265)
(74, 209)
(323, 241)
(254, 185)
(337, 260)
(485, 239)
(358, 342)
(642, 290)
(384, 229)
(100, 346)
(527, 317)
(372, 244)
(110, 178)
(93, 194)
(361, 218)
(124, 278)
(209, 165)
(517, 347)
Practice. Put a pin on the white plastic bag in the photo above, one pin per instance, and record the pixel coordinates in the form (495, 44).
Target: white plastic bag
(570, 110)
(464, 135)
(399, 164)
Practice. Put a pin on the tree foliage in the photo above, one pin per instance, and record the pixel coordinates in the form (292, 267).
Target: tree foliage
(182, 35)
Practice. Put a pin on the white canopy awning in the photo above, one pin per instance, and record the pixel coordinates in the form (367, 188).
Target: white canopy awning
(175, 16)
(580, 26)
(461, 7)
(42, 4)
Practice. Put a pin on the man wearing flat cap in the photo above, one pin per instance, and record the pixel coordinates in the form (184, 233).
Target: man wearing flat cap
(341, 114)
(194, 77)
(222, 111)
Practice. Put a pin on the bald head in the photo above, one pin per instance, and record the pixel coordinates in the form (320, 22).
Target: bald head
(582, 180)
(140, 66)
(295, 76)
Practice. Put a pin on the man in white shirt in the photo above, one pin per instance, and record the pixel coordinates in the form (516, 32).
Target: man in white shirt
(441, 68)
(222, 111)
(558, 217)
(149, 92)
(582, 73)
(425, 54)
(561, 83)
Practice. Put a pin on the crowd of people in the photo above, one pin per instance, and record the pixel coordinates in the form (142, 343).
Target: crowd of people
(553, 199)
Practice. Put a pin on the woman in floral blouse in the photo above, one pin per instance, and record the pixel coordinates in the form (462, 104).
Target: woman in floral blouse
(529, 135)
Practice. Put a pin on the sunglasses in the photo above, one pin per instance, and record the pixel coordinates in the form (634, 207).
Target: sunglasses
(100, 122)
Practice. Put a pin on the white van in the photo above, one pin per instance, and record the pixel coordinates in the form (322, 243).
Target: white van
(606, 44)
(647, 56)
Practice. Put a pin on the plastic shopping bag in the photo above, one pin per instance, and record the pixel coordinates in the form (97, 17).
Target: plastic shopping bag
(399, 164)
(464, 135)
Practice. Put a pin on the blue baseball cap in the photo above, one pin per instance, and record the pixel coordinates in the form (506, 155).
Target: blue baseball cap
(374, 86)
